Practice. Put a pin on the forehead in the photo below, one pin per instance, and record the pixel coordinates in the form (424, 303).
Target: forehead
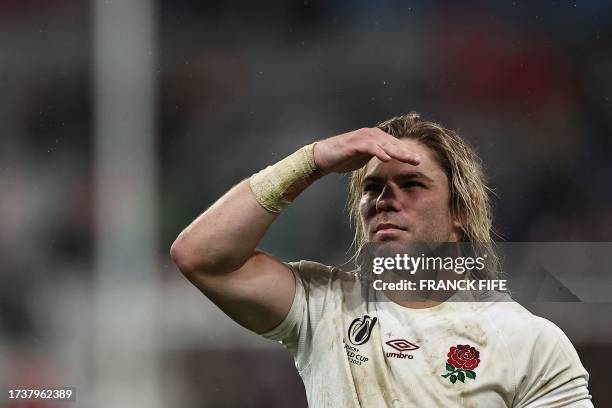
(428, 166)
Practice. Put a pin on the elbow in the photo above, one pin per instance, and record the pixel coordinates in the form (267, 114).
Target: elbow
(187, 258)
(192, 260)
(180, 255)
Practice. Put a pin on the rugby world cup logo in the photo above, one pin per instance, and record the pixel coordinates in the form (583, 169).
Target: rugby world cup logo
(360, 330)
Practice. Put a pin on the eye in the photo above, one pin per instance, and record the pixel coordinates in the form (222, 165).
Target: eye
(371, 188)
(413, 183)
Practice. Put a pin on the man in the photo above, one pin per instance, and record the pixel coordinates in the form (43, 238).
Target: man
(413, 181)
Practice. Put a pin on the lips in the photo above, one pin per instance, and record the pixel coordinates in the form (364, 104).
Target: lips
(388, 225)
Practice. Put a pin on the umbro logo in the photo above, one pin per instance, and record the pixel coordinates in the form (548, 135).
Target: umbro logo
(402, 346)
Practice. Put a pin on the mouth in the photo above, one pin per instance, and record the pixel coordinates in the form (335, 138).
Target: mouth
(388, 227)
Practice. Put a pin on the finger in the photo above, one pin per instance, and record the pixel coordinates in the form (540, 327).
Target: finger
(380, 153)
(395, 147)
(397, 150)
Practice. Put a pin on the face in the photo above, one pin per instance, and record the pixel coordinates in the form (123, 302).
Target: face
(402, 202)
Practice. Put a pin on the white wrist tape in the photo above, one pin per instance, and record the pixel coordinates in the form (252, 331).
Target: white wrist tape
(276, 186)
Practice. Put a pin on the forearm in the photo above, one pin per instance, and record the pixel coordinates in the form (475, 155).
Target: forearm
(226, 235)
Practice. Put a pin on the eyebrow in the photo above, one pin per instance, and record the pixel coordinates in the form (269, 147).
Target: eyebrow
(412, 175)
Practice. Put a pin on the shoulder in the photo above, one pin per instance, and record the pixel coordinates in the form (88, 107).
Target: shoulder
(545, 363)
(548, 370)
(534, 342)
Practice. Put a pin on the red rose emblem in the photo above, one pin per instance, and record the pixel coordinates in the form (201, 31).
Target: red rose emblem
(463, 356)
(462, 359)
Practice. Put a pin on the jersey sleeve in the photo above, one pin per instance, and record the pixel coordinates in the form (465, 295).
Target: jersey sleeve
(555, 376)
(312, 287)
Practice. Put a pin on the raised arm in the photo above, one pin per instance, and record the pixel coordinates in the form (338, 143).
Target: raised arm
(217, 251)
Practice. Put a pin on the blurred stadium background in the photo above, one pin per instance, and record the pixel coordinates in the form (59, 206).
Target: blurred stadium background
(121, 121)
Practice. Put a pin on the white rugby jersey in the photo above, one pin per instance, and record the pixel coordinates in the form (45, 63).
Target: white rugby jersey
(356, 353)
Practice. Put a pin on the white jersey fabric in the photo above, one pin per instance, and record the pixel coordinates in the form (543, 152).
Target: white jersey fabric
(353, 352)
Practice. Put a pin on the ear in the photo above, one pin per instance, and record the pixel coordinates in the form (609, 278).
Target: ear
(457, 233)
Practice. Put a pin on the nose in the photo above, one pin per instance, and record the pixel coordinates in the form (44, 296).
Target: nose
(386, 201)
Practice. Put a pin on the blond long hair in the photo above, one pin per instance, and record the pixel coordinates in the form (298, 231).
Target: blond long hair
(469, 194)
